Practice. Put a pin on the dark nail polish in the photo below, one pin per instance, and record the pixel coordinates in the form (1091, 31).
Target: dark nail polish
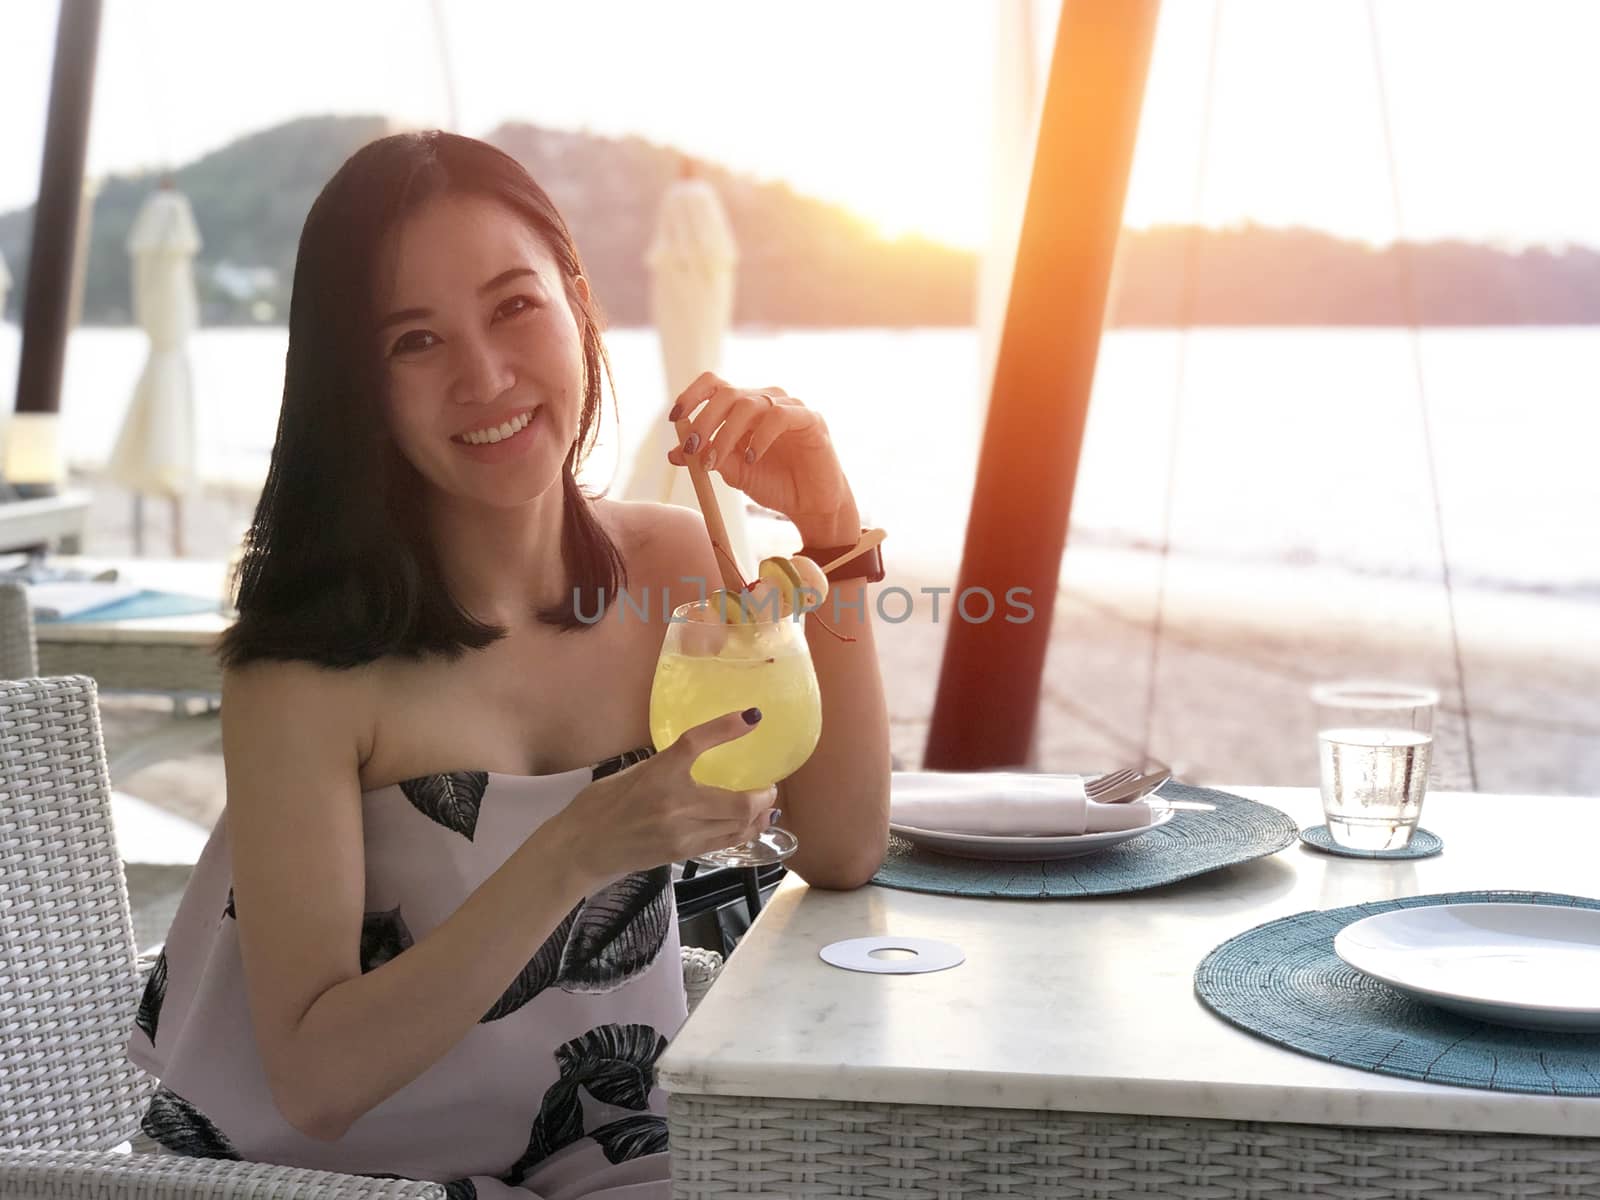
(751, 715)
(677, 411)
(693, 444)
(750, 455)
(774, 816)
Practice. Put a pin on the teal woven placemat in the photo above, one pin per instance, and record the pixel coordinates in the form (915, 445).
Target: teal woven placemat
(1422, 844)
(139, 606)
(1192, 843)
(1283, 982)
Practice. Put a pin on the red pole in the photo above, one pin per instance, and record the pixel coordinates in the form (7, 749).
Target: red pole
(988, 697)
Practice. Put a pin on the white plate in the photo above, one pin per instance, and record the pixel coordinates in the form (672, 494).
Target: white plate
(1531, 965)
(1025, 849)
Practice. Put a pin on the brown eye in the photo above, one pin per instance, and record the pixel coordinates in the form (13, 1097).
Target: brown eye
(416, 339)
(514, 307)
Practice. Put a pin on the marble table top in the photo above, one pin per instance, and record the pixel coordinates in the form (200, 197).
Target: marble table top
(1088, 1005)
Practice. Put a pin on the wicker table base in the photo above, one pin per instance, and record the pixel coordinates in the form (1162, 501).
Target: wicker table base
(125, 665)
(183, 669)
(724, 1145)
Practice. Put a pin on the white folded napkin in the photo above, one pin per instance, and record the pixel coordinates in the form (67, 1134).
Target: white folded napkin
(1005, 804)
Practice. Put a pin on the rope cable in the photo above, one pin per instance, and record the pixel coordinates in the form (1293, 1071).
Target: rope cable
(446, 74)
(1408, 289)
(1186, 306)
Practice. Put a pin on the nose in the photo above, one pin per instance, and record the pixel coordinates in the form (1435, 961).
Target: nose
(482, 373)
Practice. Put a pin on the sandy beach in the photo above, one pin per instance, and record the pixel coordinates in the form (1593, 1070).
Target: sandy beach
(1239, 646)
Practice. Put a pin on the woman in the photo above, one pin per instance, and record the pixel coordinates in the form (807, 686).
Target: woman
(432, 935)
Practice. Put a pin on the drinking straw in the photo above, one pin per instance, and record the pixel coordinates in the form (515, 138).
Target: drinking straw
(716, 530)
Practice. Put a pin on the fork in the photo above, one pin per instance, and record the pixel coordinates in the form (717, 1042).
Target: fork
(1100, 784)
(1118, 787)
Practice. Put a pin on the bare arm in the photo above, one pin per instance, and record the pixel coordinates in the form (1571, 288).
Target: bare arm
(837, 804)
(335, 1042)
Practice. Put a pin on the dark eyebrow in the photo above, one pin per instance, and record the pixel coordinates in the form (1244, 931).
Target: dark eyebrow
(506, 277)
(415, 314)
(404, 315)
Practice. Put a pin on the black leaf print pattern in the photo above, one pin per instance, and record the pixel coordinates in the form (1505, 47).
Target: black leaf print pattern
(632, 1137)
(155, 994)
(620, 762)
(456, 1189)
(383, 936)
(182, 1128)
(452, 799)
(558, 1125)
(615, 1063)
(539, 974)
(618, 933)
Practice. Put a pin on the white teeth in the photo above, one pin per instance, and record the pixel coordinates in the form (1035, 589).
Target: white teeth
(485, 437)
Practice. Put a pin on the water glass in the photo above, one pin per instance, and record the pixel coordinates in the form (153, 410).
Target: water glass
(1375, 741)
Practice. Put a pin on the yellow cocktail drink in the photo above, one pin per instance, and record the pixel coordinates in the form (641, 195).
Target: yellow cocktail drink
(755, 666)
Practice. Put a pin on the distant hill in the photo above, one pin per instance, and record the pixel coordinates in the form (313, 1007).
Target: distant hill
(806, 262)
(803, 262)
(250, 199)
(1258, 276)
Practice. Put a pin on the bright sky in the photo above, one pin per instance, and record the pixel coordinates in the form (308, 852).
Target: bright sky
(886, 106)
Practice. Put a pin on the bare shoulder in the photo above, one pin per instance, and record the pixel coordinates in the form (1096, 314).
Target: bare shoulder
(271, 706)
(642, 523)
(659, 542)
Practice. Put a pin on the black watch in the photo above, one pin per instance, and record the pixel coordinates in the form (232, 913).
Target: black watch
(868, 565)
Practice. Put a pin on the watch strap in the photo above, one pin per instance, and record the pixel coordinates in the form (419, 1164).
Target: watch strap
(868, 565)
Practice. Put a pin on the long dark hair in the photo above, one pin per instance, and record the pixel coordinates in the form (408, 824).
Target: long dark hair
(338, 568)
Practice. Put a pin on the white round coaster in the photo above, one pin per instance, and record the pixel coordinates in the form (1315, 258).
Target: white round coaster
(929, 954)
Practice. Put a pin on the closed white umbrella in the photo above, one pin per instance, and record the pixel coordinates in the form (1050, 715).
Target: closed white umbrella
(692, 259)
(155, 452)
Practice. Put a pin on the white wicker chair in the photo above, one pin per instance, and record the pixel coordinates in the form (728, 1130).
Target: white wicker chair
(19, 653)
(69, 987)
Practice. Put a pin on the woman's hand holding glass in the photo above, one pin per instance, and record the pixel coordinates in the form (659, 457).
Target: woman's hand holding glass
(657, 812)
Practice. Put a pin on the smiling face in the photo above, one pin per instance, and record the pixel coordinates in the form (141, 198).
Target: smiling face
(482, 351)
